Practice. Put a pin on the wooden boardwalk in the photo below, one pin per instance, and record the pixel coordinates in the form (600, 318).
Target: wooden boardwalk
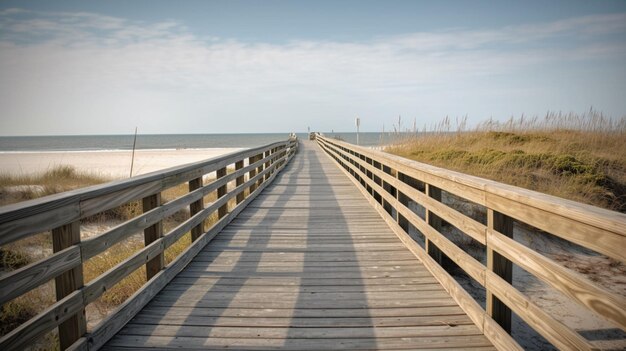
(307, 265)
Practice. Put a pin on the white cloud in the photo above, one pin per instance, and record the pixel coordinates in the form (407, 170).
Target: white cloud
(61, 67)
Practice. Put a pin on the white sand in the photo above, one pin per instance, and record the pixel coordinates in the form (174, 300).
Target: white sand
(111, 164)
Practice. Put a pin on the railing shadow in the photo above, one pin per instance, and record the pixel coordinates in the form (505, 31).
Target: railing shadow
(313, 309)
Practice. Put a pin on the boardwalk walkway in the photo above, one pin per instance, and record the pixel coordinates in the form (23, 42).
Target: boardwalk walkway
(308, 265)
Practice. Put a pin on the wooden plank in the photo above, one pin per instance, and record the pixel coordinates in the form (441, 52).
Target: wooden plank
(105, 281)
(134, 342)
(23, 280)
(302, 298)
(600, 240)
(67, 283)
(300, 333)
(299, 322)
(45, 321)
(36, 219)
(95, 205)
(570, 283)
(401, 312)
(554, 331)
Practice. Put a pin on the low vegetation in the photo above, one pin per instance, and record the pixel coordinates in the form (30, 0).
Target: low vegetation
(578, 157)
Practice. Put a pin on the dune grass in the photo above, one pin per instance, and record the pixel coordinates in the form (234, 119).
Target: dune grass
(578, 157)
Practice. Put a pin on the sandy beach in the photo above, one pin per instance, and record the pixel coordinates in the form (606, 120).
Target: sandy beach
(110, 164)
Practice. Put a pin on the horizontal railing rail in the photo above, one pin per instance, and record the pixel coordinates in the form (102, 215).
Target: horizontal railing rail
(391, 182)
(251, 170)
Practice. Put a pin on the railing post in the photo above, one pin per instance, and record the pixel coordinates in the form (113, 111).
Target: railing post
(221, 191)
(151, 234)
(68, 282)
(252, 160)
(259, 157)
(240, 180)
(501, 266)
(434, 222)
(196, 207)
(267, 165)
(403, 200)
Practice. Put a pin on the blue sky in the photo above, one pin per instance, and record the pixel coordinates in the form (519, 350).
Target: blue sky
(104, 67)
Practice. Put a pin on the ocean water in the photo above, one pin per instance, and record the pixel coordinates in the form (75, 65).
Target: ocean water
(165, 141)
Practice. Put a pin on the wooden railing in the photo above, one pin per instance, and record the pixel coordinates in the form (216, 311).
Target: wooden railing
(62, 213)
(390, 182)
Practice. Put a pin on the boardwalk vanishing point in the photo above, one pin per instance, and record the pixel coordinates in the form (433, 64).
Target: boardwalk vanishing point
(314, 248)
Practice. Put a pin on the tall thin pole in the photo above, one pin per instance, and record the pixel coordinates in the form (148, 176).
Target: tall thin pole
(358, 124)
(132, 161)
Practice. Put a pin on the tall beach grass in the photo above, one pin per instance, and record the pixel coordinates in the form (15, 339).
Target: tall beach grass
(581, 157)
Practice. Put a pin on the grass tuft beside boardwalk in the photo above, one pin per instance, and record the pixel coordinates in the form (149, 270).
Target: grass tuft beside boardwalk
(582, 158)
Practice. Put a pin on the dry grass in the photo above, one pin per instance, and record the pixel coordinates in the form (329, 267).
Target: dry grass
(578, 157)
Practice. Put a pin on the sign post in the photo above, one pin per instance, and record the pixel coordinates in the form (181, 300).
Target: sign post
(358, 124)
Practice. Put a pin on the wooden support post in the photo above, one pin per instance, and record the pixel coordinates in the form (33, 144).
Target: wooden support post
(221, 191)
(252, 160)
(501, 266)
(388, 188)
(403, 200)
(68, 282)
(259, 157)
(240, 180)
(434, 222)
(151, 234)
(196, 207)
(267, 165)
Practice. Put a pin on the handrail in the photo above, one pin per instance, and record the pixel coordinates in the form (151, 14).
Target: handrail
(389, 181)
(61, 214)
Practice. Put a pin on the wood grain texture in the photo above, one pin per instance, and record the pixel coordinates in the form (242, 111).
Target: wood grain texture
(570, 283)
(151, 234)
(20, 281)
(69, 282)
(554, 331)
(501, 266)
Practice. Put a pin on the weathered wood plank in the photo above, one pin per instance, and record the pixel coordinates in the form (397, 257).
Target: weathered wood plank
(138, 342)
(554, 331)
(20, 281)
(67, 283)
(42, 323)
(570, 283)
(299, 322)
(151, 234)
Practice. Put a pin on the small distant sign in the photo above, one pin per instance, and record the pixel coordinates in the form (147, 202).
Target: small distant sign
(358, 122)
